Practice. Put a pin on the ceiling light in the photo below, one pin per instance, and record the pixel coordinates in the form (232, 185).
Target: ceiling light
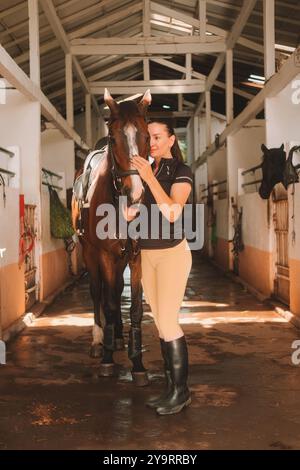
(166, 106)
(258, 77)
(281, 47)
(254, 80)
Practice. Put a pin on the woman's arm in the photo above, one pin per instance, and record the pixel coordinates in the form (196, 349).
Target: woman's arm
(170, 206)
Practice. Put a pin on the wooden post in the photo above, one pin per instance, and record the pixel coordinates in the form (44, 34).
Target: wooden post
(88, 119)
(229, 86)
(34, 41)
(69, 90)
(208, 118)
(269, 37)
(202, 20)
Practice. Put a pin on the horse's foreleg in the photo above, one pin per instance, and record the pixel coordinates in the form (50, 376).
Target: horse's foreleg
(91, 262)
(95, 289)
(111, 306)
(135, 334)
(119, 340)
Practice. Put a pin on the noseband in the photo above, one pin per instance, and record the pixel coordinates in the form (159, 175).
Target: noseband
(117, 174)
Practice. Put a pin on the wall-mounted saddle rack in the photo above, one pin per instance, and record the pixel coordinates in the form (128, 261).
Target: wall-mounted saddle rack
(251, 183)
(213, 185)
(7, 152)
(251, 170)
(51, 173)
(7, 172)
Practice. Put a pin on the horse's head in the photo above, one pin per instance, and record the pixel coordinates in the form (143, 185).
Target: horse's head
(128, 136)
(273, 165)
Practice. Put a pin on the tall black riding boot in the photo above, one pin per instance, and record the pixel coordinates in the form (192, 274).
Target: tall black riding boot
(180, 396)
(155, 401)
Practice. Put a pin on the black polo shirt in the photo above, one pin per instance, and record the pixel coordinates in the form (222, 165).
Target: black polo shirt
(170, 171)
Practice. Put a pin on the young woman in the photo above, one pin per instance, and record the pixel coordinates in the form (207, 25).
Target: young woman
(166, 262)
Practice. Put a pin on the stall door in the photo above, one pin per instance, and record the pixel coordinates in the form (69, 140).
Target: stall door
(281, 226)
(30, 267)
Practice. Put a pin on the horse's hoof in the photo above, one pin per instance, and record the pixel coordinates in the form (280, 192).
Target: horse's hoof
(140, 379)
(96, 350)
(119, 344)
(106, 370)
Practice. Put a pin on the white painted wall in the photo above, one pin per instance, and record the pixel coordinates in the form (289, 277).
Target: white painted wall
(9, 226)
(221, 208)
(201, 181)
(20, 121)
(244, 152)
(283, 116)
(57, 155)
(283, 126)
(217, 127)
(255, 228)
(19, 130)
(18, 127)
(217, 165)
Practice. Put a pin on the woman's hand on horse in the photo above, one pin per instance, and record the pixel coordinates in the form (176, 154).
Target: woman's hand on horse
(143, 167)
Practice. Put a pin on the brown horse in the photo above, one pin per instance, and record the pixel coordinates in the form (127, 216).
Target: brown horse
(106, 259)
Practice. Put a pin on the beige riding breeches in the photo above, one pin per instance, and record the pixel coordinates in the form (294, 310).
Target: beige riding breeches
(164, 277)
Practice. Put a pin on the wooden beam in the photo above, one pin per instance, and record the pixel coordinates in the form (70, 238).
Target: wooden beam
(157, 87)
(146, 69)
(34, 42)
(97, 76)
(63, 40)
(104, 21)
(88, 120)
(188, 66)
(288, 72)
(69, 90)
(146, 47)
(208, 118)
(179, 68)
(269, 37)
(180, 102)
(235, 33)
(202, 20)
(229, 86)
(17, 78)
(181, 16)
(236, 91)
(146, 83)
(146, 18)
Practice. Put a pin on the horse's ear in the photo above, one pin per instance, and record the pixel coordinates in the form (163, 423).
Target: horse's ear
(145, 101)
(264, 149)
(111, 103)
(282, 147)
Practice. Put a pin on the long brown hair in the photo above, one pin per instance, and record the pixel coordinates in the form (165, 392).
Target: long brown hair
(175, 149)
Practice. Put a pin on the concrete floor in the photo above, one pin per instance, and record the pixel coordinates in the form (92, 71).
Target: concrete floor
(245, 388)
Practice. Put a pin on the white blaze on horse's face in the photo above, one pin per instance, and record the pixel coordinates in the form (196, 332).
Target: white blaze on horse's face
(137, 186)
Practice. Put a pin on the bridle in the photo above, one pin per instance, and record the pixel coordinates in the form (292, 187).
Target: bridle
(117, 174)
